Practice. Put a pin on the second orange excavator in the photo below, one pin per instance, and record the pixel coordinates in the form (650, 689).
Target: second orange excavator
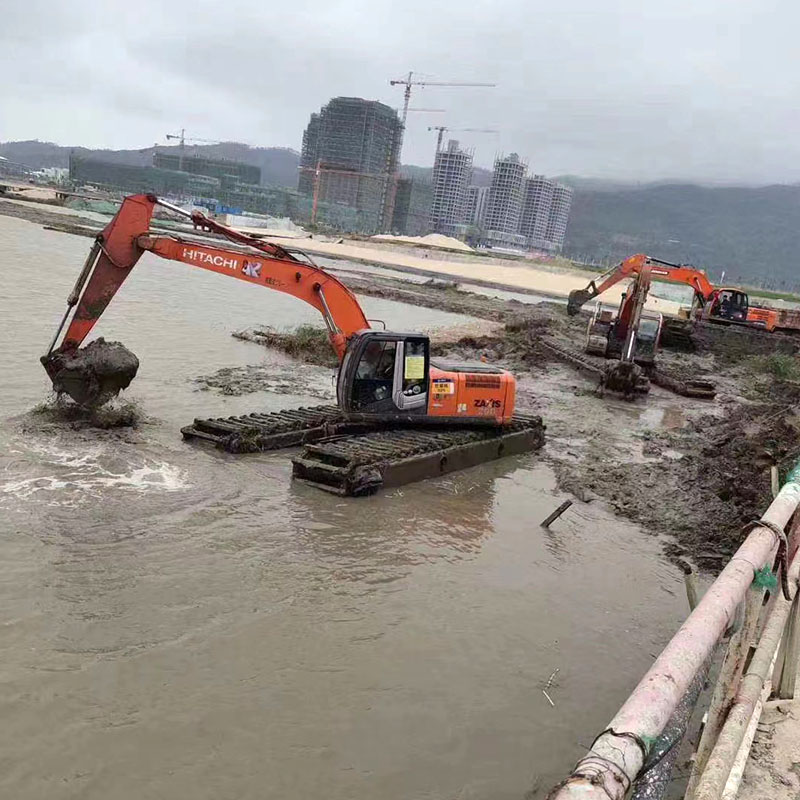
(386, 379)
(631, 340)
(728, 305)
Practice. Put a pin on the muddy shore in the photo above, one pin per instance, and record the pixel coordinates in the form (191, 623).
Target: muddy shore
(695, 470)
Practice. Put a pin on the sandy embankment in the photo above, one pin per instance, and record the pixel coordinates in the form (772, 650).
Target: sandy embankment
(464, 267)
(511, 275)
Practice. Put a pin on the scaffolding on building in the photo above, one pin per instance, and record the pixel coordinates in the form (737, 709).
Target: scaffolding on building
(357, 142)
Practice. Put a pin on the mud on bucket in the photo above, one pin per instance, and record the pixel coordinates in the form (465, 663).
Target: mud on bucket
(94, 374)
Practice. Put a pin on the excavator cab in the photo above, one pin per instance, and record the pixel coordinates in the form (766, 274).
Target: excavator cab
(729, 304)
(384, 372)
(648, 340)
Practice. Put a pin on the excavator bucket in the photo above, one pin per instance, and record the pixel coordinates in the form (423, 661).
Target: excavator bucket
(94, 374)
(577, 299)
(626, 378)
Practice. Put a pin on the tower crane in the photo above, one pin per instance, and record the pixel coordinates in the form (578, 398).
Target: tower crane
(181, 139)
(408, 82)
(443, 128)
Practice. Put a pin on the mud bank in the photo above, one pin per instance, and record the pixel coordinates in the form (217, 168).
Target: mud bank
(696, 470)
(303, 379)
(441, 295)
(32, 211)
(306, 343)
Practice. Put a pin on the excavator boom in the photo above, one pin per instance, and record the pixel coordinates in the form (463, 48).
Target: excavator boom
(122, 242)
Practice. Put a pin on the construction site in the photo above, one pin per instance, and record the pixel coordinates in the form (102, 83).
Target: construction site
(661, 433)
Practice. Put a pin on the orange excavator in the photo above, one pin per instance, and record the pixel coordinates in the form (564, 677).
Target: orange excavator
(385, 379)
(631, 339)
(727, 305)
(380, 373)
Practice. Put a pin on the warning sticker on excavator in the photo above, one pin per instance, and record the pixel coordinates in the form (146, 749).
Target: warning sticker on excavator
(442, 386)
(415, 368)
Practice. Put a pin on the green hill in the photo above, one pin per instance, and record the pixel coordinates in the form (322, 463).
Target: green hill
(751, 233)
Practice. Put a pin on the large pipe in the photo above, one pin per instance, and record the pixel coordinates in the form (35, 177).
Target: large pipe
(618, 753)
(718, 768)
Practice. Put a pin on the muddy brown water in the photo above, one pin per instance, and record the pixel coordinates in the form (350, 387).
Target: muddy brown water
(179, 623)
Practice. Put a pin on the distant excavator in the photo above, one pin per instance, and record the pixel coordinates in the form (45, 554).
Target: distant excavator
(631, 339)
(727, 305)
(386, 379)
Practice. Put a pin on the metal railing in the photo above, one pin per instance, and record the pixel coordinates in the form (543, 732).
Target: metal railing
(623, 753)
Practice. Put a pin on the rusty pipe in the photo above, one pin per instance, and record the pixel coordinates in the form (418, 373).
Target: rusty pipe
(618, 753)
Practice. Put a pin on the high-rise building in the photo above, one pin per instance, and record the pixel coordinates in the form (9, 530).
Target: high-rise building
(477, 197)
(412, 207)
(536, 210)
(452, 173)
(504, 206)
(558, 217)
(349, 157)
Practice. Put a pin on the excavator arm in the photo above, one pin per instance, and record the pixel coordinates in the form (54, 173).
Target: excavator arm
(634, 265)
(122, 242)
(579, 297)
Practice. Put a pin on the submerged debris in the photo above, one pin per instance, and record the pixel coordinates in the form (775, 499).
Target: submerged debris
(116, 414)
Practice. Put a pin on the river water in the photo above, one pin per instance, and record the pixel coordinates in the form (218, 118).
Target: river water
(180, 623)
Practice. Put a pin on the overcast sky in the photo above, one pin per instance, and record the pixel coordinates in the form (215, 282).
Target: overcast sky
(630, 89)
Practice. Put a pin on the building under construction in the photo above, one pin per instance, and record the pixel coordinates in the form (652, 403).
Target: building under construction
(452, 174)
(221, 168)
(477, 197)
(350, 157)
(504, 204)
(213, 183)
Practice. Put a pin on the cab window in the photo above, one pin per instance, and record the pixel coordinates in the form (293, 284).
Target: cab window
(375, 374)
(377, 361)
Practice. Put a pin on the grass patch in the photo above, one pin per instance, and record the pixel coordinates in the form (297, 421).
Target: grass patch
(780, 366)
(306, 343)
(766, 294)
